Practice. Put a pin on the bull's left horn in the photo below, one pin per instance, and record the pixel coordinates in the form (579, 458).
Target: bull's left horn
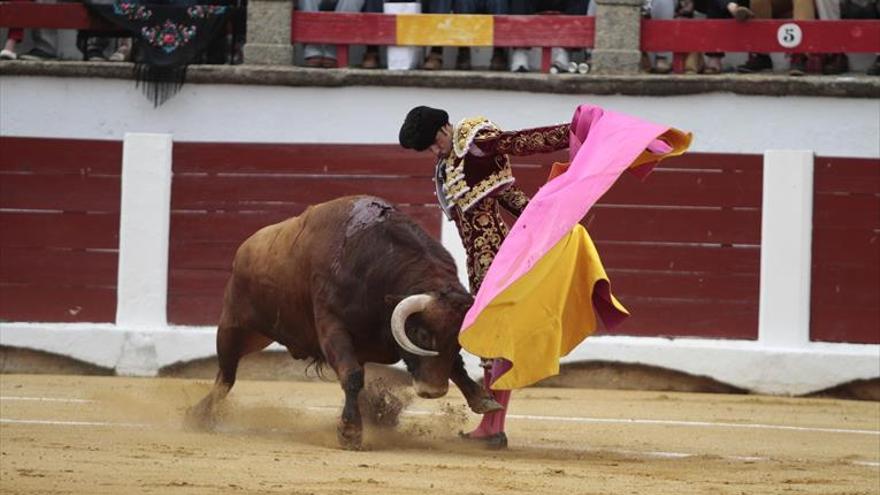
(403, 310)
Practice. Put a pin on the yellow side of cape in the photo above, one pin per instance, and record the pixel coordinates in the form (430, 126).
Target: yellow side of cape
(543, 315)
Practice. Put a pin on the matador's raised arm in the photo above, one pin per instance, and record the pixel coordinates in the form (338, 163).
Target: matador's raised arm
(523, 142)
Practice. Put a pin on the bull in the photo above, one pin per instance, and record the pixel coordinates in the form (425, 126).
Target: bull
(349, 281)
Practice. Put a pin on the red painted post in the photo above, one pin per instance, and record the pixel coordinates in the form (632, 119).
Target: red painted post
(342, 56)
(546, 57)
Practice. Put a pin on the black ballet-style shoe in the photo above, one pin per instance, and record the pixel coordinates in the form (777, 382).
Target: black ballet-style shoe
(497, 441)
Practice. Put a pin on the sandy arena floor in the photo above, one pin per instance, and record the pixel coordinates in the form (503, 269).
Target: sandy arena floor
(99, 435)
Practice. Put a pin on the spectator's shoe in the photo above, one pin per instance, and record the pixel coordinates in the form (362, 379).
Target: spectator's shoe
(463, 59)
(742, 14)
(329, 63)
(315, 62)
(519, 60)
(371, 60)
(713, 65)
(757, 62)
(95, 55)
(7, 55)
(121, 54)
(434, 61)
(497, 441)
(835, 63)
(499, 60)
(662, 66)
(797, 65)
(874, 70)
(36, 55)
(694, 63)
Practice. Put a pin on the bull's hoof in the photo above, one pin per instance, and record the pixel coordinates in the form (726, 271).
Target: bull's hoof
(485, 405)
(350, 437)
(200, 418)
(498, 441)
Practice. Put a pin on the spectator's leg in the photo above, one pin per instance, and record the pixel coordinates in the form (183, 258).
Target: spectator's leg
(329, 51)
(663, 9)
(519, 57)
(371, 55)
(463, 59)
(313, 54)
(434, 60)
(499, 54)
(757, 62)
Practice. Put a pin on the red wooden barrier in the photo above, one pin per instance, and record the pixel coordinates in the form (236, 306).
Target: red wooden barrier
(682, 248)
(845, 296)
(59, 222)
(221, 194)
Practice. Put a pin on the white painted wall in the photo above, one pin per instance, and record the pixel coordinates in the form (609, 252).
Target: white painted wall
(781, 361)
(727, 123)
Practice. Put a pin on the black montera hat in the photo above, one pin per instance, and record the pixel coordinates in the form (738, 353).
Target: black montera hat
(420, 127)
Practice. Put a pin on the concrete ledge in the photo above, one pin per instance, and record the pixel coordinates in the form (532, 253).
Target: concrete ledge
(777, 84)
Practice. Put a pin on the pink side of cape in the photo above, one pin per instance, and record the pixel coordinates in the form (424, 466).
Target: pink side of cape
(602, 146)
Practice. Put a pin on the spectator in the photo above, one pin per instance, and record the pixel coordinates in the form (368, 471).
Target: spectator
(838, 63)
(494, 7)
(801, 10)
(324, 56)
(434, 59)
(662, 9)
(13, 38)
(561, 57)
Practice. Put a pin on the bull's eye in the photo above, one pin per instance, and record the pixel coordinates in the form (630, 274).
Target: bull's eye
(423, 338)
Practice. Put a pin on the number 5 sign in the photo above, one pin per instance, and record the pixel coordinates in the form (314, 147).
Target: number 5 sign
(789, 35)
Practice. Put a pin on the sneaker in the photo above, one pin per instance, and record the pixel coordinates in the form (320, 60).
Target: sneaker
(757, 62)
(662, 66)
(121, 54)
(371, 60)
(36, 54)
(434, 61)
(797, 65)
(7, 55)
(95, 56)
(519, 61)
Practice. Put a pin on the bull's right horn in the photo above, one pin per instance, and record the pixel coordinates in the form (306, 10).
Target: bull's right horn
(403, 310)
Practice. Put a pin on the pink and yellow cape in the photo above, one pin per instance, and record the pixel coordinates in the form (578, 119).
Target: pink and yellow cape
(546, 286)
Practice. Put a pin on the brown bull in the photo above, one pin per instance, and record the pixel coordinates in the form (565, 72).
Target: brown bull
(349, 281)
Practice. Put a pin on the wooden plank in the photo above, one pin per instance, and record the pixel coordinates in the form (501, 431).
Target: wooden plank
(681, 285)
(686, 188)
(544, 30)
(50, 16)
(61, 156)
(332, 159)
(849, 175)
(201, 256)
(758, 35)
(847, 323)
(66, 230)
(189, 309)
(845, 248)
(444, 30)
(674, 225)
(343, 28)
(682, 258)
(223, 192)
(846, 211)
(53, 303)
(234, 227)
(58, 267)
(60, 192)
(653, 317)
(188, 281)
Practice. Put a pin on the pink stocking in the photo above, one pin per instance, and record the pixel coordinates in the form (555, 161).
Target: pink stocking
(493, 422)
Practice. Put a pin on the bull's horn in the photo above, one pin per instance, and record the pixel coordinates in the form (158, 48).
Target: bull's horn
(403, 310)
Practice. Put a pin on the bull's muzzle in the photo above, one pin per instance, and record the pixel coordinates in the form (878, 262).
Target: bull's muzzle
(429, 391)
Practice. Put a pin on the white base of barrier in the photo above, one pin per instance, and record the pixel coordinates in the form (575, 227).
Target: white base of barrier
(745, 364)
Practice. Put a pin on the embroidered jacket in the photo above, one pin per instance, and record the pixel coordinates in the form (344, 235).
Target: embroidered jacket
(479, 164)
